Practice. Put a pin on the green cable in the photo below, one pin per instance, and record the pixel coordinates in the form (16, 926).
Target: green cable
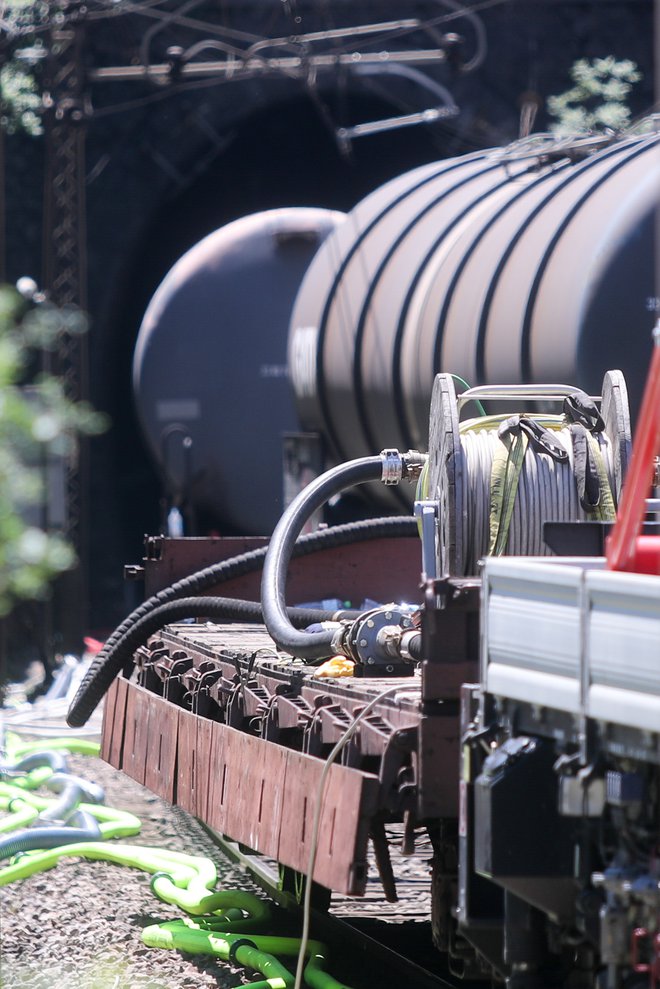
(463, 382)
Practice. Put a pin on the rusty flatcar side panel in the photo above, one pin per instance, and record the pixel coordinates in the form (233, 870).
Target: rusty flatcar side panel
(193, 762)
(108, 721)
(136, 734)
(259, 793)
(349, 799)
(118, 725)
(160, 764)
(246, 789)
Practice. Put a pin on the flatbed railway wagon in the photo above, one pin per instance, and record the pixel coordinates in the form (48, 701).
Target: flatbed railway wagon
(503, 698)
(502, 702)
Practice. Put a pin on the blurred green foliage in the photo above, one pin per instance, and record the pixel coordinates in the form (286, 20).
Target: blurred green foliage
(20, 96)
(37, 422)
(597, 99)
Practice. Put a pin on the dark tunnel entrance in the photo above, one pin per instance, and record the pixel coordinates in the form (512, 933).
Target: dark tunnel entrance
(282, 155)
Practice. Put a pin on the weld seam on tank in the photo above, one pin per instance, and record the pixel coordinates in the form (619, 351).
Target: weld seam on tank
(467, 256)
(398, 339)
(358, 357)
(335, 289)
(624, 159)
(575, 172)
(370, 442)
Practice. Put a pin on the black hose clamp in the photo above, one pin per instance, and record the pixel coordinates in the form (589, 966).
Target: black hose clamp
(235, 945)
(159, 875)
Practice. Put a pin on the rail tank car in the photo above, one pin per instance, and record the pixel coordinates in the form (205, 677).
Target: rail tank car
(508, 265)
(210, 365)
(522, 264)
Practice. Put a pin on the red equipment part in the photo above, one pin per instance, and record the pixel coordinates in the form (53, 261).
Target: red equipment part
(626, 549)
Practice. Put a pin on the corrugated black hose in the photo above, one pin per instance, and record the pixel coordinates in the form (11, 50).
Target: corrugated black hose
(97, 681)
(222, 609)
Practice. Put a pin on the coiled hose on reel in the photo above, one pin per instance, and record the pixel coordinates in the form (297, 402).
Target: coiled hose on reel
(497, 479)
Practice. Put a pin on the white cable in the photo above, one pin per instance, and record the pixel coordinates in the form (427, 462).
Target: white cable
(342, 742)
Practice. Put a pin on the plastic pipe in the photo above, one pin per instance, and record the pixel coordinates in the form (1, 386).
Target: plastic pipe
(198, 898)
(22, 815)
(82, 746)
(144, 858)
(30, 781)
(25, 763)
(72, 790)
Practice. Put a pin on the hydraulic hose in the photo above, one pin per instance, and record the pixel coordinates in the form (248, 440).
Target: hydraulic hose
(21, 814)
(280, 550)
(223, 609)
(96, 681)
(16, 749)
(54, 760)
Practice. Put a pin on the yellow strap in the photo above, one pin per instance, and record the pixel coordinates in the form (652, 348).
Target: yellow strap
(504, 478)
(605, 511)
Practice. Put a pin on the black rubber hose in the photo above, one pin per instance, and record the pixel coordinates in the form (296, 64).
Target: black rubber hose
(281, 547)
(225, 609)
(98, 678)
(237, 566)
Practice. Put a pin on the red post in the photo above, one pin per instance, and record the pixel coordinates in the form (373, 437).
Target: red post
(625, 548)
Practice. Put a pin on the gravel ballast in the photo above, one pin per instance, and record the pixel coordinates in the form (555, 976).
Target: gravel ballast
(78, 925)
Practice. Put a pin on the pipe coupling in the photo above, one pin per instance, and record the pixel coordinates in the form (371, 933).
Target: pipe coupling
(399, 466)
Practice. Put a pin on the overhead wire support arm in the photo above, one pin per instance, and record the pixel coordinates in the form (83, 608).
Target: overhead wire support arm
(231, 68)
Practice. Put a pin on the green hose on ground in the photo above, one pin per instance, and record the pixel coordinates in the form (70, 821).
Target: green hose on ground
(19, 816)
(256, 953)
(112, 823)
(186, 881)
(34, 779)
(16, 748)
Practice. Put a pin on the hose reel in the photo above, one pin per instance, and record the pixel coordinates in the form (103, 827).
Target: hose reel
(495, 479)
